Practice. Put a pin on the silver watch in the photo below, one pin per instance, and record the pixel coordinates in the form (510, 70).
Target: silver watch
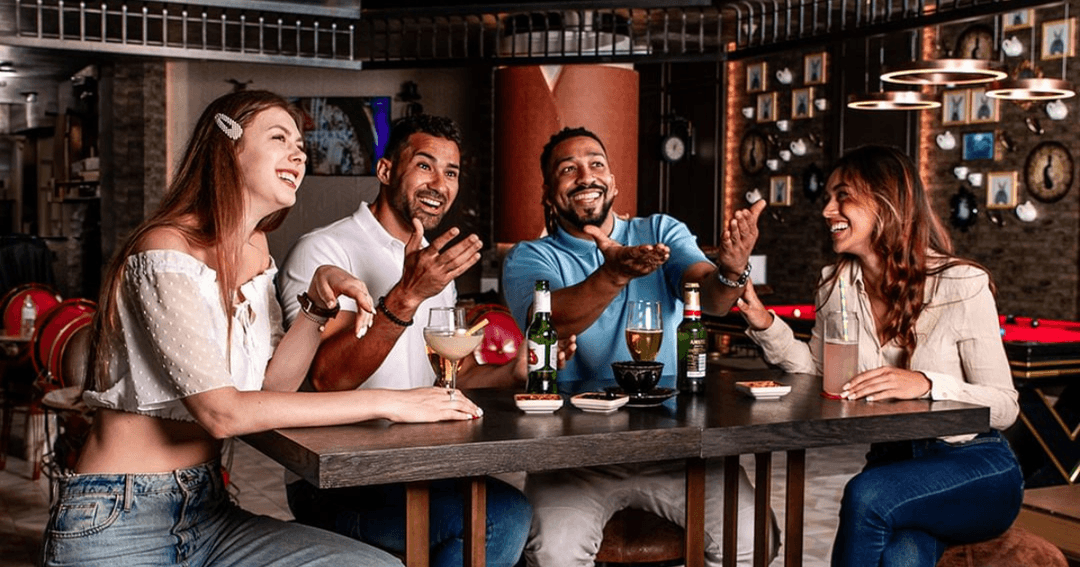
(743, 277)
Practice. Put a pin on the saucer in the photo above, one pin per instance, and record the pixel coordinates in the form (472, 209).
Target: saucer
(653, 397)
(538, 403)
(763, 389)
(599, 402)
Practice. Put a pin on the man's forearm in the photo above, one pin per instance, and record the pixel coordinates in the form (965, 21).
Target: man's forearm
(344, 362)
(575, 308)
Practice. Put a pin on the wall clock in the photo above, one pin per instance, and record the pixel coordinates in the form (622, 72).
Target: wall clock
(752, 151)
(672, 148)
(977, 42)
(1048, 172)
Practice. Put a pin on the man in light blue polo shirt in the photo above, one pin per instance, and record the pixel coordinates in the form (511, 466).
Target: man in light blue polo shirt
(597, 264)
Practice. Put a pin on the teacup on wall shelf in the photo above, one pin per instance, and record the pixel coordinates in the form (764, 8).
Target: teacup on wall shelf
(1057, 110)
(946, 140)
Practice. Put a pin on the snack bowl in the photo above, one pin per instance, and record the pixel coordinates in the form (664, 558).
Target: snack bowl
(538, 403)
(637, 377)
(599, 402)
(763, 389)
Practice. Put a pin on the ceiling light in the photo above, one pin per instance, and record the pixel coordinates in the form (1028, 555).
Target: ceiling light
(1031, 89)
(945, 72)
(893, 100)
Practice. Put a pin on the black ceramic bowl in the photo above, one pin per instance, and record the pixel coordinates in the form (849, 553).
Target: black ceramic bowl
(637, 378)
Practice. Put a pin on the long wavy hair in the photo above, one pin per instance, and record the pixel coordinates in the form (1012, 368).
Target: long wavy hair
(908, 236)
(205, 204)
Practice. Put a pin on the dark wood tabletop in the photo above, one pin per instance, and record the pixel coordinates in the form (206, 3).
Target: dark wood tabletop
(721, 422)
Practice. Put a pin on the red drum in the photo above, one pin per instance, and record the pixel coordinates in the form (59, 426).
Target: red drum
(61, 335)
(501, 336)
(43, 296)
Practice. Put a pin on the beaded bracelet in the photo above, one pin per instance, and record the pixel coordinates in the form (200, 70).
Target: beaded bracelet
(393, 318)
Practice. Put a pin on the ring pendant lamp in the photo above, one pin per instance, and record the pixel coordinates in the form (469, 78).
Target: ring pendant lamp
(1035, 88)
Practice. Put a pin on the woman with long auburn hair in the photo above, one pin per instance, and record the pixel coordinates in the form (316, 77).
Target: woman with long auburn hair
(928, 328)
(189, 351)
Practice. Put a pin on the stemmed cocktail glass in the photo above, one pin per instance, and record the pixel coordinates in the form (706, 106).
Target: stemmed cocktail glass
(448, 341)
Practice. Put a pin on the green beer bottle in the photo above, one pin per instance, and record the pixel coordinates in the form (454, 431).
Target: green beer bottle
(692, 343)
(543, 344)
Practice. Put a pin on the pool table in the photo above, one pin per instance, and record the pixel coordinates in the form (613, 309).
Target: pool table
(1044, 357)
(1043, 349)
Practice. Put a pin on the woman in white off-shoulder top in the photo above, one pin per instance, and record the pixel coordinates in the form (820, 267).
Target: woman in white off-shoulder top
(928, 329)
(189, 351)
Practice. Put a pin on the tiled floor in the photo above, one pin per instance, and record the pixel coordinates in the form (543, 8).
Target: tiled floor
(259, 487)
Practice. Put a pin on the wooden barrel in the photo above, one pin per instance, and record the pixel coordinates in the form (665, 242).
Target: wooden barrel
(60, 337)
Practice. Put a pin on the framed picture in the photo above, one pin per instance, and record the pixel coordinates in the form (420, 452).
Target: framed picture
(1057, 39)
(954, 107)
(1001, 190)
(802, 103)
(344, 135)
(983, 108)
(766, 107)
(978, 145)
(1018, 20)
(780, 191)
(756, 76)
(814, 70)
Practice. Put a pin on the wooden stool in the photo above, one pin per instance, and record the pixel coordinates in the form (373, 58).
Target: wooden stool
(634, 536)
(1016, 546)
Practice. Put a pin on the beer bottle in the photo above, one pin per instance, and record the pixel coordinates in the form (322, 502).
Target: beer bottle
(543, 344)
(692, 342)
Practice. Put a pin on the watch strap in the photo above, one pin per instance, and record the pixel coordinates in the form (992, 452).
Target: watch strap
(309, 307)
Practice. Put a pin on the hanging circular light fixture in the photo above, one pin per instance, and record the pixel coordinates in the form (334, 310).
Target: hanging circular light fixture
(1031, 89)
(893, 100)
(945, 72)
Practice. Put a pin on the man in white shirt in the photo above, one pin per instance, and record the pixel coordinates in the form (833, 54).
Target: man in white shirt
(383, 244)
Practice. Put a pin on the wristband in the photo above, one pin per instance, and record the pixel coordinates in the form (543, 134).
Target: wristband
(308, 306)
(393, 318)
(743, 277)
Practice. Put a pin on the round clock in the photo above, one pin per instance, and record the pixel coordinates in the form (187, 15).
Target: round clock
(976, 42)
(1048, 172)
(673, 147)
(752, 151)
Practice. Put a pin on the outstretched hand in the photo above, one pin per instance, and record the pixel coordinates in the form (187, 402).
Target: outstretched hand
(628, 262)
(739, 238)
(331, 281)
(427, 270)
(753, 310)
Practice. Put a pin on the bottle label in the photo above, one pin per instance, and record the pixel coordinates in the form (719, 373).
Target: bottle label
(542, 302)
(696, 358)
(542, 356)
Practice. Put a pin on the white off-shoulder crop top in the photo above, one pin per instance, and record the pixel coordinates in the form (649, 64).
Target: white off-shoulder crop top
(174, 334)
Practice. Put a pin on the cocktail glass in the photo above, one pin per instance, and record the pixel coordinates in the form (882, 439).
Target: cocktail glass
(448, 342)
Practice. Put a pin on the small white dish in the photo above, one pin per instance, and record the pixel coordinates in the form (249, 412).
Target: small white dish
(599, 402)
(763, 389)
(538, 403)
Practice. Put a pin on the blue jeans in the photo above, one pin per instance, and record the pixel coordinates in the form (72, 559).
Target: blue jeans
(376, 515)
(182, 518)
(915, 497)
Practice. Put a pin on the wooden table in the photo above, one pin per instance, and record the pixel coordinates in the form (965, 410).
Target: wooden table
(720, 423)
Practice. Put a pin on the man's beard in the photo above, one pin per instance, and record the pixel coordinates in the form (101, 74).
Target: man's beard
(409, 210)
(579, 222)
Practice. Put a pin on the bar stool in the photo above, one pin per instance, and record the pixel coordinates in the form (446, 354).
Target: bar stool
(634, 537)
(1016, 546)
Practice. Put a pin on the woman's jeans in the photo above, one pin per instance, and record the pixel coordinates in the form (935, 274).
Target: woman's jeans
(376, 515)
(182, 518)
(915, 497)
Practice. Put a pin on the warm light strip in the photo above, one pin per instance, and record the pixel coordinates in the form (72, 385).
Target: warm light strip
(945, 72)
(732, 192)
(1031, 89)
(893, 100)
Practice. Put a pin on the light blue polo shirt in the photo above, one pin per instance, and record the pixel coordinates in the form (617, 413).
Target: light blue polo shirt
(565, 260)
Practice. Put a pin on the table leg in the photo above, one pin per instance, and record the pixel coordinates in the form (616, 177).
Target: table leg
(731, 510)
(475, 521)
(417, 524)
(762, 520)
(796, 486)
(695, 513)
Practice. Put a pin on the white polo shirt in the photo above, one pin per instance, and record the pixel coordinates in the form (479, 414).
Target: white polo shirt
(361, 246)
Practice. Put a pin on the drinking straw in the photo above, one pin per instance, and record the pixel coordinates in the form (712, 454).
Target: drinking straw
(483, 323)
(843, 310)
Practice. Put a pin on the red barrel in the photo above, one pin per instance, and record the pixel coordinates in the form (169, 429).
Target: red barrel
(56, 332)
(43, 296)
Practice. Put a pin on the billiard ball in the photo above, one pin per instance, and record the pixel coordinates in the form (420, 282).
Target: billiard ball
(797, 313)
(1002, 332)
(1034, 322)
(1010, 319)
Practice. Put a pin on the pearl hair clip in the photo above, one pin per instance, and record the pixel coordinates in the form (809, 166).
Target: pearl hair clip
(231, 127)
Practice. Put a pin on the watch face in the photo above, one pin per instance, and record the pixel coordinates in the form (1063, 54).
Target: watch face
(752, 152)
(977, 42)
(1048, 172)
(674, 148)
